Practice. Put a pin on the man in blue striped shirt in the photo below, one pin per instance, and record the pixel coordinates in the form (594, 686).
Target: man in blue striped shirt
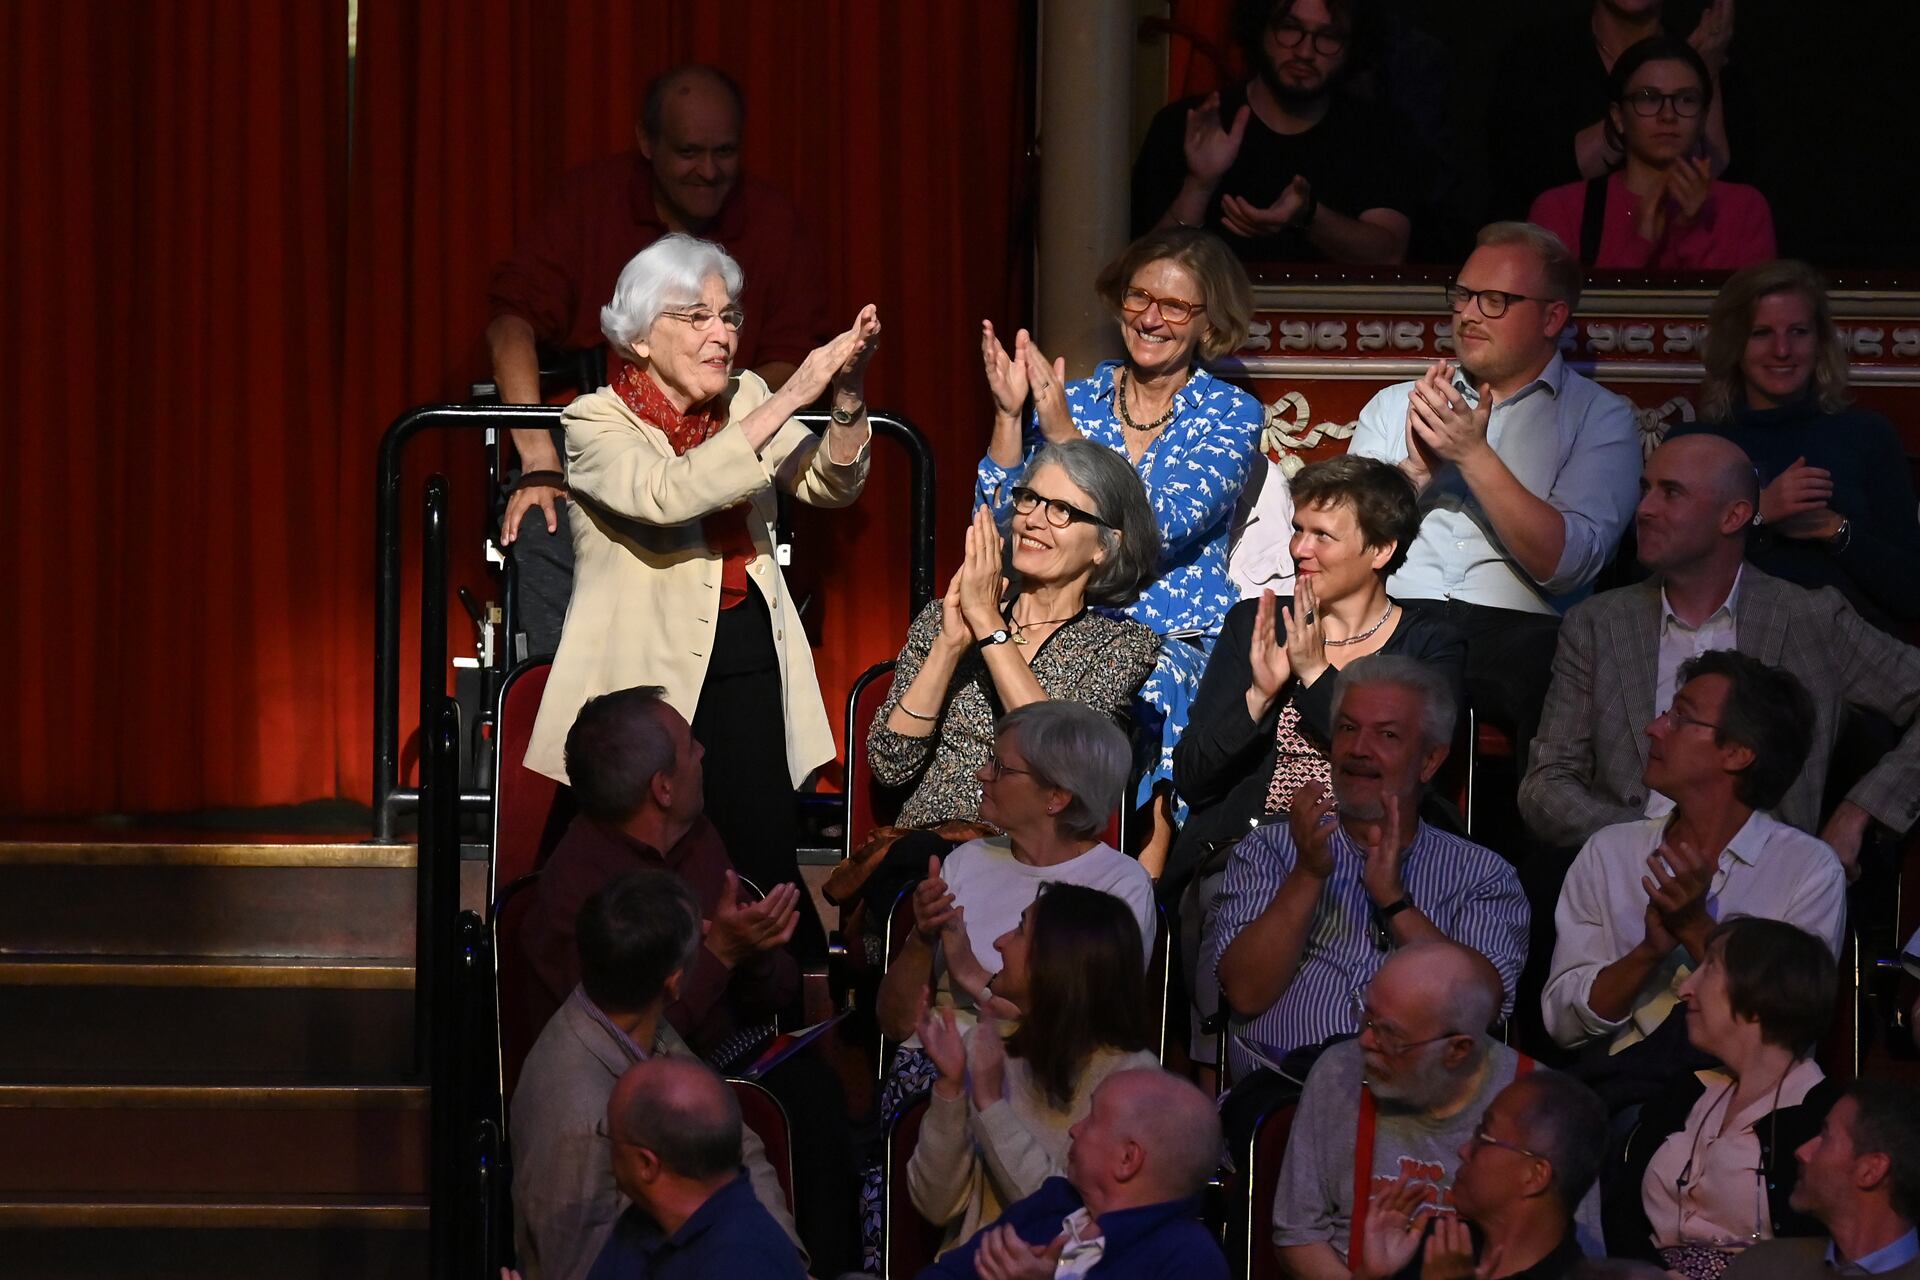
(1310, 909)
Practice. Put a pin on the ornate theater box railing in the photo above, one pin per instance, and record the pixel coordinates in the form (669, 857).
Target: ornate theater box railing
(1318, 352)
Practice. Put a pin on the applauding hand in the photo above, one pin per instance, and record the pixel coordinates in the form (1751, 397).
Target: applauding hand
(1006, 374)
(1267, 658)
(1211, 148)
(1048, 382)
(981, 582)
(1306, 634)
(738, 930)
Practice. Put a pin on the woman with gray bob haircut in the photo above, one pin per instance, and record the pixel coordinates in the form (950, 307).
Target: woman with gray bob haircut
(1077, 750)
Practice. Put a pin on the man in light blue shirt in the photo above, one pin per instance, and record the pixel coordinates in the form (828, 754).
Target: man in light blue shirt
(1860, 1175)
(1528, 472)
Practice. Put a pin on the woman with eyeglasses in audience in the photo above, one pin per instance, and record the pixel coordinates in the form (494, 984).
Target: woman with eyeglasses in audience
(996, 1124)
(675, 469)
(1180, 298)
(1709, 1168)
(1837, 507)
(1011, 631)
(1053, 774)
(1663, 209)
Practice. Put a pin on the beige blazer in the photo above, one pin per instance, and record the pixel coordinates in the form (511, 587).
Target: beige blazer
(646, 587)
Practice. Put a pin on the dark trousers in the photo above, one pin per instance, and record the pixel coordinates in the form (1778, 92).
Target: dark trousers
(826, 1192)
(749, 793)
(1509, 664)
(543, 581)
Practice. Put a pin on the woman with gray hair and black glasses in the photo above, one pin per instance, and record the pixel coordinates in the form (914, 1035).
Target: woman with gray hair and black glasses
(673, 469)
(1012, 630)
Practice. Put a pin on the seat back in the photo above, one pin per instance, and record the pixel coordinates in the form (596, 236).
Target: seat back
(518, 991)
(1260, 1163)
(1160, 978)
(908, 1241)
(899, 925)
(1839, 1051)
(761, 1112)
(530, 810)
(869, 804)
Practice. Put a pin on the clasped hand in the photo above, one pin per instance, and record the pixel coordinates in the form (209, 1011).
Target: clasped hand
(1441, 425)
(970, 610)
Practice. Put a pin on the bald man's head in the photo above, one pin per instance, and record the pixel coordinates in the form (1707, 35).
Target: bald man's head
(1458, 985)
(1697, 498)
(689, 132)
(682, 1112)
(1149, 1136)
(1428, 1011)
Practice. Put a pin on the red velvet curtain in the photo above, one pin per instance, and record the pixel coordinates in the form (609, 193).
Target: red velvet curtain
(212, 318)
(171, 234)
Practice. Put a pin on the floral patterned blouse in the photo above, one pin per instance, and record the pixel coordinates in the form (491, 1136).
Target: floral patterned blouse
(1093, 659)
(1193, 472)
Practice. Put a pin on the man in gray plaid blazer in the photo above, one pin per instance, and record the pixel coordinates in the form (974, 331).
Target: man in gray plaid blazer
(1619, 653)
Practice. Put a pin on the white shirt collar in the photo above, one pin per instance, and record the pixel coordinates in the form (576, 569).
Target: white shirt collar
(1727, 606)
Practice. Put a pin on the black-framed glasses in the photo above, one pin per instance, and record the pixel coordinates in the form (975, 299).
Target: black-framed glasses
(1059, 514)
(1647, 103)
(703, 317)
(1326, 41)
(1172, 310)
(1493, 302)
(1392, 1043)
(996, 768)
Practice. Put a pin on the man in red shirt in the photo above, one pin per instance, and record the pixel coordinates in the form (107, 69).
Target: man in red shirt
(684, 176)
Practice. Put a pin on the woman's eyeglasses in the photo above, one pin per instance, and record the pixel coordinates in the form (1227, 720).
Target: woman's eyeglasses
(1172, 310)
(1059, 514)
(703, 317)
(1648, 102)
(996, 768)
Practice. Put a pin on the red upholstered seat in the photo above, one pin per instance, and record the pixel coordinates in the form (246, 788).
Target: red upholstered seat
(761, 1112)
(530, 810)
(1261, 1179)
(908, 1242)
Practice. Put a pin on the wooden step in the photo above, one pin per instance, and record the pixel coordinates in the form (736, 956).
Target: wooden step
(359, 973)
(234, 1238)
(204, 1140)
(307, 1024)
(214, 899)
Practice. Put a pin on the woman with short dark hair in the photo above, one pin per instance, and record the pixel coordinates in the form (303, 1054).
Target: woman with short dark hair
(1263, 720)
(1710, 1167)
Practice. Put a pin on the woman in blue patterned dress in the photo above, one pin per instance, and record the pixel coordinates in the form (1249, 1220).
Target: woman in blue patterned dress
(1180, 297)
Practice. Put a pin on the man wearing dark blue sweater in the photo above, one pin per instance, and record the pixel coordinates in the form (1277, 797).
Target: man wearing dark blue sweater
(1128, 1207)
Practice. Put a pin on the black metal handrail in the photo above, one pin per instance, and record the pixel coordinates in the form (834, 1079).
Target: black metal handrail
(390, 799)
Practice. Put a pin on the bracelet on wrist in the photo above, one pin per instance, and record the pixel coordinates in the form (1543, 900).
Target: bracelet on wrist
(915, 715)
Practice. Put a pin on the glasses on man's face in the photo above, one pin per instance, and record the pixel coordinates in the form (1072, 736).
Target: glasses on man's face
(1392, 1042)
(1326, 41)
(1680, 719)
(996, 768)
(703, 317)
(1059, 514)
(1172, 310)
(1647, 102)
(1493, 303)
(1481, 1138)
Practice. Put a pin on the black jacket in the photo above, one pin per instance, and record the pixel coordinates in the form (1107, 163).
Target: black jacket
(1224, 762)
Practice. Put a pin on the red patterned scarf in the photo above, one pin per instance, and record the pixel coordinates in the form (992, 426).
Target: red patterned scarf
(726, 531)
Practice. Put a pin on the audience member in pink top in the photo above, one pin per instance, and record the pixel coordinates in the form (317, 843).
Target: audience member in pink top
(1662, 210)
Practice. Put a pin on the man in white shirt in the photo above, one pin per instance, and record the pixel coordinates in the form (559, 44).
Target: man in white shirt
(1526, 469)
(1642, 896)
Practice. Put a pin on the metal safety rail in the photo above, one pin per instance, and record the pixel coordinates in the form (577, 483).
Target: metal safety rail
(391, 800)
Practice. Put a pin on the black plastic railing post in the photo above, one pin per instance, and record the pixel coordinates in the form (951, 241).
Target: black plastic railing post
(437, 979)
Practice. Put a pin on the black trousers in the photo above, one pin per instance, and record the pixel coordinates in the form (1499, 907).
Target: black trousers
(1509, 665)
(749, 793)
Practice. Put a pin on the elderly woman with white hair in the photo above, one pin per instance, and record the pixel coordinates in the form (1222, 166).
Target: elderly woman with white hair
(673, 468)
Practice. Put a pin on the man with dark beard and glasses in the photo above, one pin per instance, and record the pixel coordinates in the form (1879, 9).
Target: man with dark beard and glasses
(1312, 907)
(1286, 167)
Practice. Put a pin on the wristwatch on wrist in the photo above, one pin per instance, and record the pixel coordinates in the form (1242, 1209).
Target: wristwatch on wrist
(999, 637)
(845, 417)
(1392, 909)
(1842, 537)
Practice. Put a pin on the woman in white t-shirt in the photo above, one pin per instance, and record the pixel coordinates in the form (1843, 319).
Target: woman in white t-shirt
(1051, 783)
